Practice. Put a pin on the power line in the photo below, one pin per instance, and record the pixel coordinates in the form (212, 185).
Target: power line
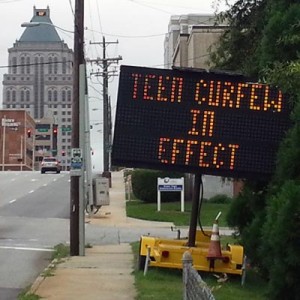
(36, 64)
(71, 7)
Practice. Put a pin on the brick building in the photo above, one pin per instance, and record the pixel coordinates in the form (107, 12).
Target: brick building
(17, 129)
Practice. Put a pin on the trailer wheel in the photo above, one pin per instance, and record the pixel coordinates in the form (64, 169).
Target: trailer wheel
(141, 259)
(141, 262)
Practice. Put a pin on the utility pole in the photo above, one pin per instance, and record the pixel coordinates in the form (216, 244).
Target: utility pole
(74, 185)
(106, 103)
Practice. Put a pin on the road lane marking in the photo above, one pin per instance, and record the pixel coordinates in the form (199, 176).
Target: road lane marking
(26, 248)
(31, 192)
(12, 201)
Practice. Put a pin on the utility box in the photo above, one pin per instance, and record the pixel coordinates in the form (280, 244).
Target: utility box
(101, 191)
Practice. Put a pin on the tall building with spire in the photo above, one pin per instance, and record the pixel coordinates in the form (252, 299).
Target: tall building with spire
(39, 80)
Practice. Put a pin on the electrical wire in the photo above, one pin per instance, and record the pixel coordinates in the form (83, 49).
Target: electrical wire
(72, 8)
(200, 206)
(127, 36)
(36, 64)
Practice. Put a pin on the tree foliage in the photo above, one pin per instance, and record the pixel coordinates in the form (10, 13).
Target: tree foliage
(263, 41)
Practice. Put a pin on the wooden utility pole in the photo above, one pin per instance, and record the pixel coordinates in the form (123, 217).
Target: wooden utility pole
(74, 186)
(106, 62)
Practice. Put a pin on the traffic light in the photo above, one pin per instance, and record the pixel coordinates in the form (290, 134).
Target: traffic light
(54, 139)
(29, 133)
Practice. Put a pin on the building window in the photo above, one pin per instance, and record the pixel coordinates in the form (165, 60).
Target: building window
(8, 95)
(64, 66)
(27, 95)
(63, 113)
(50, 65)
(69, 96)
(63, 119)
(14, 96)
(55, 65)
(22, 96)
(22, 65)
(55, 95)
(49, 96)
(14, 65)
(28, 65)
(63, 95)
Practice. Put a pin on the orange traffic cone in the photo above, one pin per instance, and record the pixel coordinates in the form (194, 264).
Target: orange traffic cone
(214, 250)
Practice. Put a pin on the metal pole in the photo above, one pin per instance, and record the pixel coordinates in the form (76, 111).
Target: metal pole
(89, 179)
(195, 211)
(82, 188)
(33, 151)
(74, 184)
(105, 110)
(21, 162)
(3, 141)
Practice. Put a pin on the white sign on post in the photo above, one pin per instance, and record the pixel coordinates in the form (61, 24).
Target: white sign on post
(170, 185)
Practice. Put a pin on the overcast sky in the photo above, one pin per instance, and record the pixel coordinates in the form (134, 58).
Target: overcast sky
(138, 25)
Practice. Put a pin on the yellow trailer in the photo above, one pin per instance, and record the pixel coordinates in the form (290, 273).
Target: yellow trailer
(167, 253)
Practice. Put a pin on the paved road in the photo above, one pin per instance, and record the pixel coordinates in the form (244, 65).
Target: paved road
(34, 211)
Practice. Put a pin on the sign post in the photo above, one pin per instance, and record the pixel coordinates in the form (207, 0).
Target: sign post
(198, 122)
(170, 185)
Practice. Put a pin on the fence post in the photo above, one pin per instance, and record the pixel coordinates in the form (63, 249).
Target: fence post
(187, 262)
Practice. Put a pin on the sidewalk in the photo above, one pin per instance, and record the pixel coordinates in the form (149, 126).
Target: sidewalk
(105, 272)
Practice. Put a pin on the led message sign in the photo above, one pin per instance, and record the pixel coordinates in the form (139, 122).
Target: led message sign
(197, 122)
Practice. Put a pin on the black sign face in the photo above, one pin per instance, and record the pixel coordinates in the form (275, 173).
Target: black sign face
(198, 122)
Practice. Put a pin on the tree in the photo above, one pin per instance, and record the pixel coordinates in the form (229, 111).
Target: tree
(263, 41)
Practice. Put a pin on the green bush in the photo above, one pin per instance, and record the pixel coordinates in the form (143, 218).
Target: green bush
(220, 199)
(281, 246)
(144, 185)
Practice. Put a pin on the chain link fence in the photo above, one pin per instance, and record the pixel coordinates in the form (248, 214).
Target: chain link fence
(194, 288)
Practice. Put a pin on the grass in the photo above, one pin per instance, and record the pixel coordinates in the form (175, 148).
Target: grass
(170, 212)
(28, 296)
(162, 284)
(60, 252)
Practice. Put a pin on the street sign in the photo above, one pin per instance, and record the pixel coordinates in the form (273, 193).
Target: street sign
(198, 122)
(43, 130)
(76, 158)
(66, 129)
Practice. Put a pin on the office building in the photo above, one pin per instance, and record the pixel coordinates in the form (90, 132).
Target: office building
(189, 39)
(39, 80)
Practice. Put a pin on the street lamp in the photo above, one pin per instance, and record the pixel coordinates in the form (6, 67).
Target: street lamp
(35, 24)
(76, 206)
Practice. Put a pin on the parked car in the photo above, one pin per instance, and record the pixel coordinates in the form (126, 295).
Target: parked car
(50, 164)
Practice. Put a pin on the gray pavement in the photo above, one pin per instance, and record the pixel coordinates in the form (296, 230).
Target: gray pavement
(105, 272)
